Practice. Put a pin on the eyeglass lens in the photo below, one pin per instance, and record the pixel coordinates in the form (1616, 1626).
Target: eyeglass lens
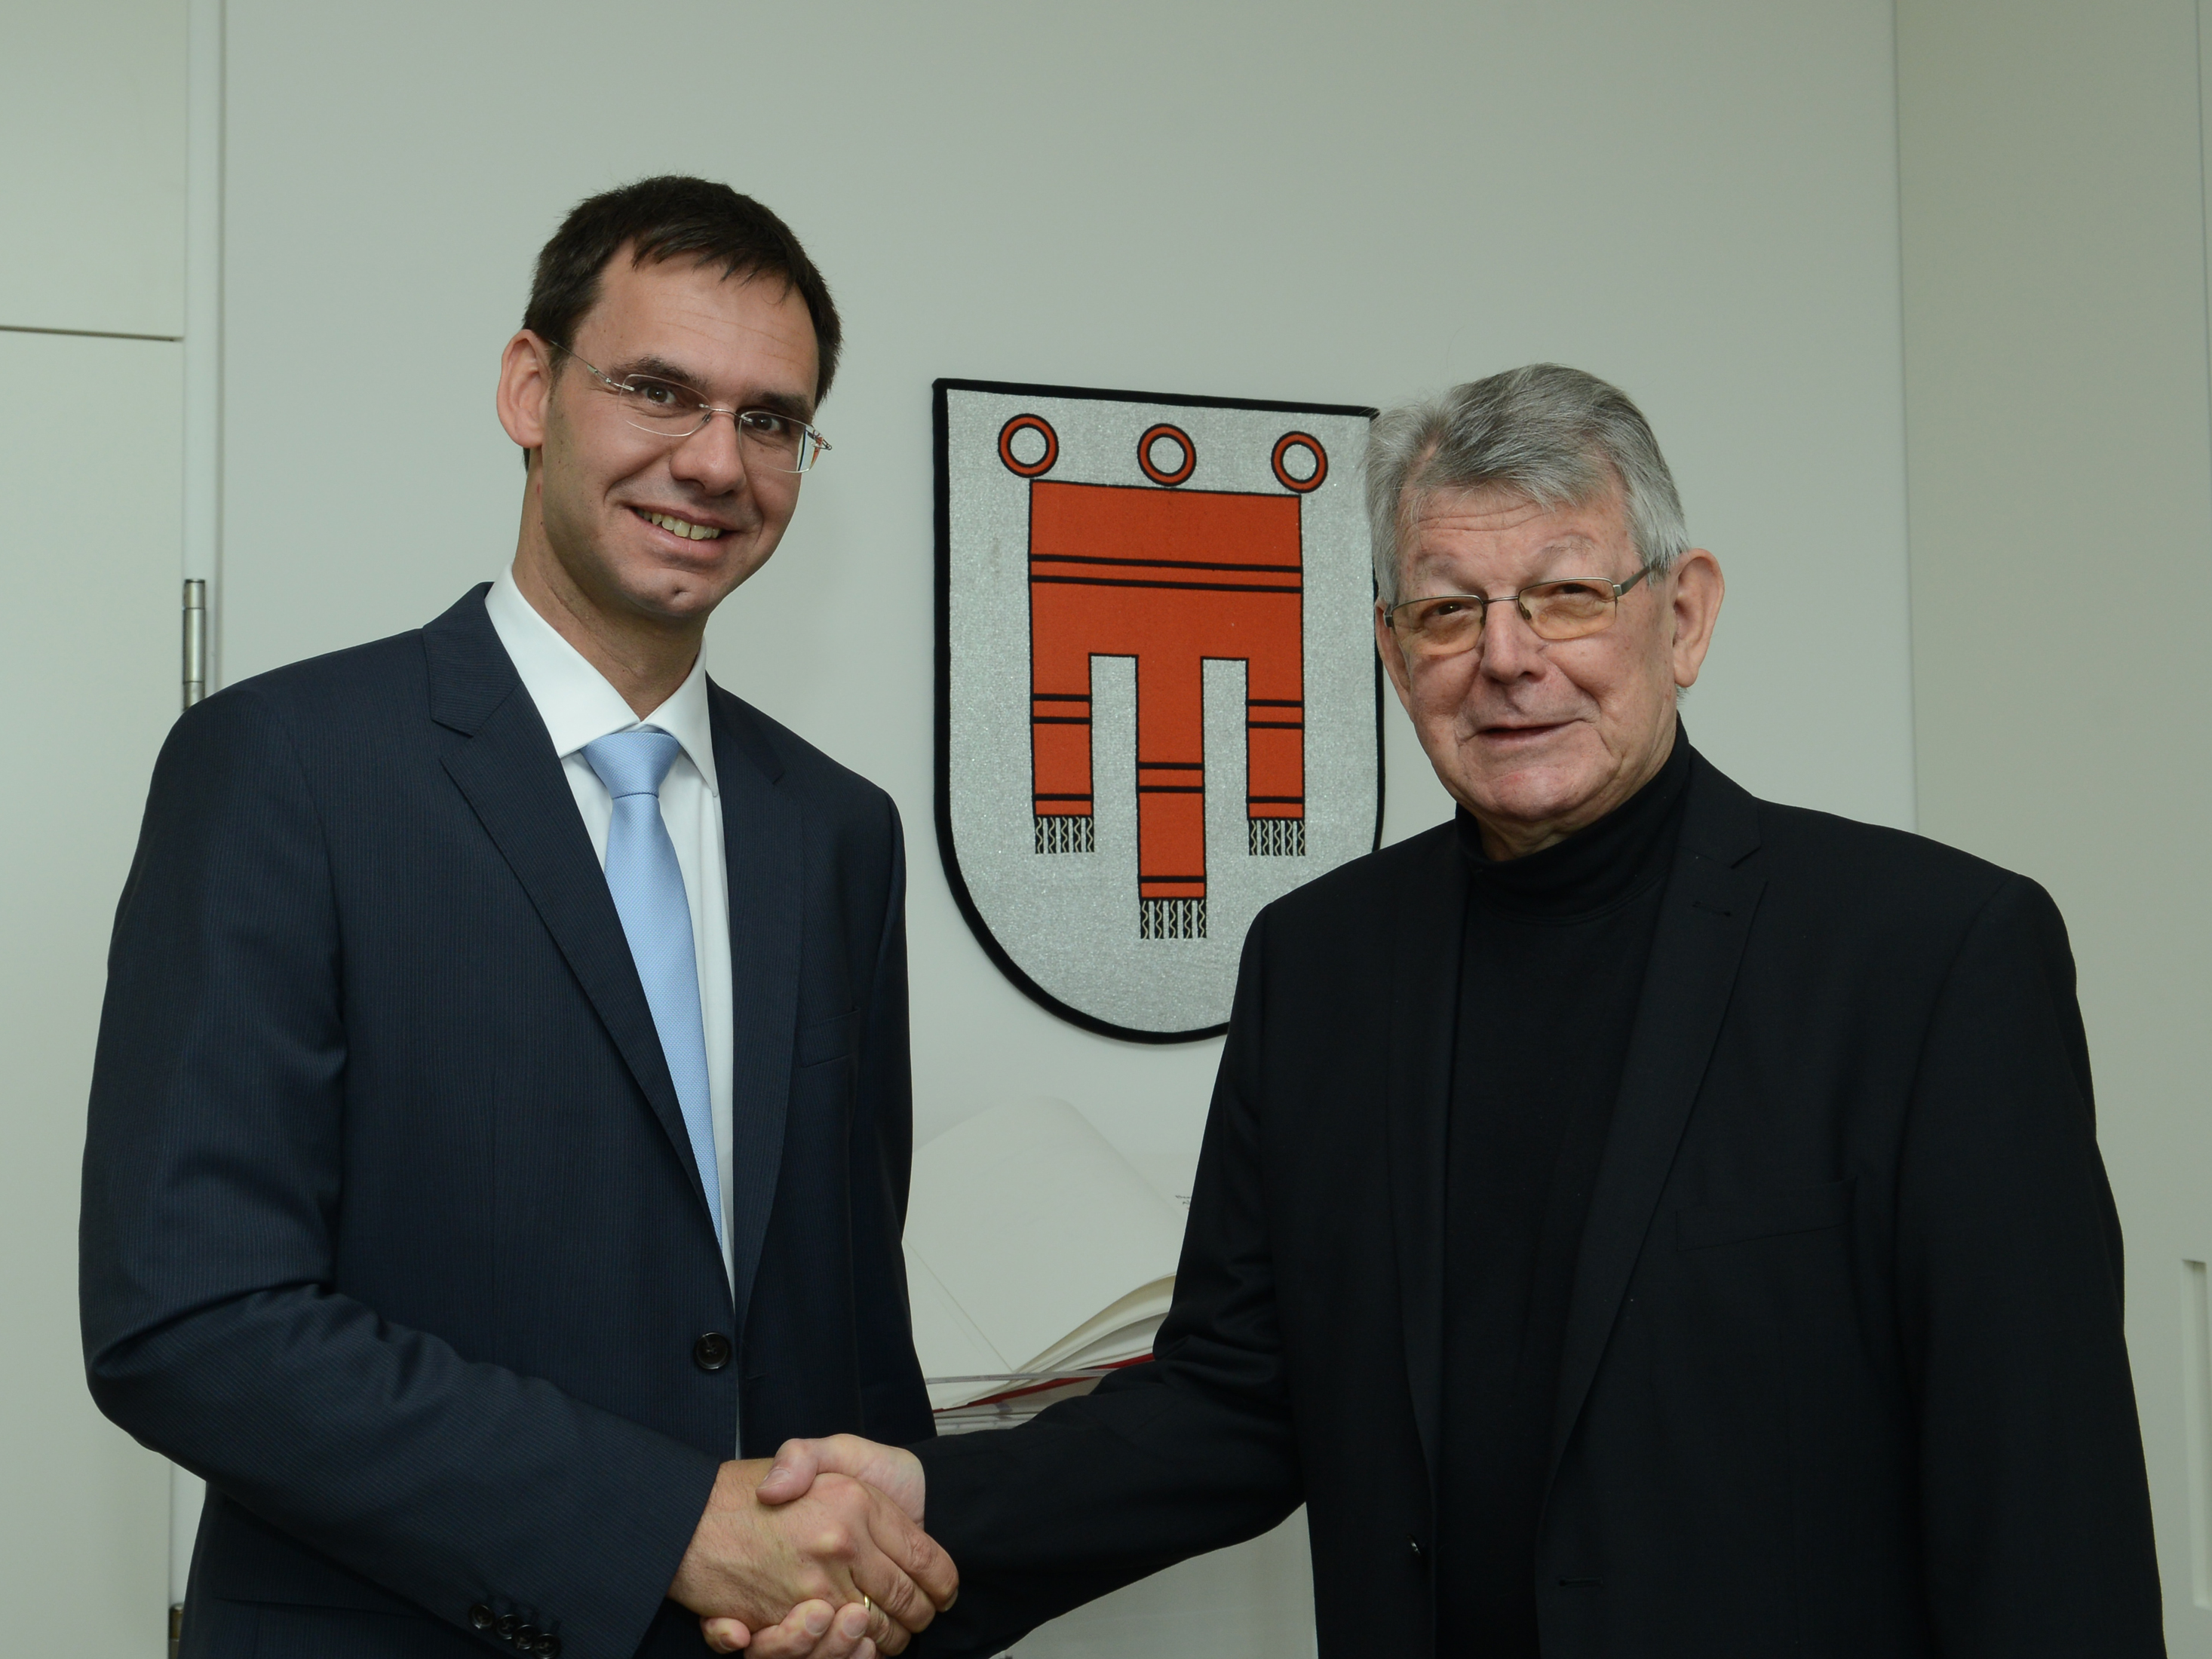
(1566, 609)
(674, 411)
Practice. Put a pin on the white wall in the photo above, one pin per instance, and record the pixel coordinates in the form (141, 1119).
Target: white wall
(1303, 202)
(1287, 201)
(1300, 201)
(1291, 201)
(92, 212)
(2061, 467)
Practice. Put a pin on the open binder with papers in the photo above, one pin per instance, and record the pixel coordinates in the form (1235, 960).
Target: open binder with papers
(1037, 1260)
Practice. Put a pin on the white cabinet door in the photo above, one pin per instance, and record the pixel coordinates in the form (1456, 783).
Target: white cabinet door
(89, 500)
(92, 191)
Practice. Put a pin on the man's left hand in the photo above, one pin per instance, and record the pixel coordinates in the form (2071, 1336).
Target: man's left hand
(813, 1630)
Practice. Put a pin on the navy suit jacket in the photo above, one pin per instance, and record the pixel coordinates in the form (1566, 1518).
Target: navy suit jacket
(390, 1229)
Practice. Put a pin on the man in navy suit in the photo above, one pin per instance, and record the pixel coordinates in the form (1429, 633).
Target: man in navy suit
(501, 1120)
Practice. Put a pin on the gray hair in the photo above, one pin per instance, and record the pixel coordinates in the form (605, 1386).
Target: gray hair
(1557, 436)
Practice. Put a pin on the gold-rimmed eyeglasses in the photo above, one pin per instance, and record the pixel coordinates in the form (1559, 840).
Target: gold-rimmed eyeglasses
(669, 409)
(1563, 608)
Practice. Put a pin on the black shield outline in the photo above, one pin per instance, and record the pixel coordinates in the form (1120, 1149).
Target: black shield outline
(941, 438)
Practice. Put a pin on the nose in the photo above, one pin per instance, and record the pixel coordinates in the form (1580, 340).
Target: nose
(1509, 647)
(712, 458)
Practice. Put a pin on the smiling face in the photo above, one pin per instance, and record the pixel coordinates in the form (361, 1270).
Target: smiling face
(1539, 738)
(631, 530)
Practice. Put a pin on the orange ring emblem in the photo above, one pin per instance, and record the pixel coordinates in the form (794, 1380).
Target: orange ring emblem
(1021, 423)
(1159, 475)
(1283, 445)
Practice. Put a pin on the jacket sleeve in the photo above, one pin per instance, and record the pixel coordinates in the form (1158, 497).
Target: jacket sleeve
(2034, 1508)
(1190, 1453)
(212, 1181)
(894, 1405)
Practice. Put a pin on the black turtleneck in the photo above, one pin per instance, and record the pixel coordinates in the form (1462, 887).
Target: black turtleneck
(1550, 972)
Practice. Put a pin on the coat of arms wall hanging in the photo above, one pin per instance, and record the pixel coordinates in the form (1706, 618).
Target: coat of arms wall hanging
(1158, 706)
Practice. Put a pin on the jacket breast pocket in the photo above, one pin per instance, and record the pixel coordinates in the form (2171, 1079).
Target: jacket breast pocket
(825, 1040)
(1770, 1215)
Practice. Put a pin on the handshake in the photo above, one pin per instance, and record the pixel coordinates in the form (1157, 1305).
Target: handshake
(818, 1555)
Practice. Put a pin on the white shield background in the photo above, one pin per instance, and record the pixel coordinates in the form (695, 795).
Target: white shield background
(1066, 925)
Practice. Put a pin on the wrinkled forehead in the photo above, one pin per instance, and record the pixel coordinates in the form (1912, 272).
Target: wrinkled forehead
(1503, 531)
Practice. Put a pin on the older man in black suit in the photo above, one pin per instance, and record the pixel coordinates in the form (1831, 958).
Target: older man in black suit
(1636, 1219)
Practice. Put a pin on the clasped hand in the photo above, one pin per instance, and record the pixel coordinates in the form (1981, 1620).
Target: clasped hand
(818, 1555)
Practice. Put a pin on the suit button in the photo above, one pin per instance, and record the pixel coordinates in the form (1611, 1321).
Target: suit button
(711, 1351)
(505, 1628)
(548, 1647)
(525, 1637)
(480, 1616)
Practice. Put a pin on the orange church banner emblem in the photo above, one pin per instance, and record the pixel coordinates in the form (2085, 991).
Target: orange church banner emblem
(1158, 704)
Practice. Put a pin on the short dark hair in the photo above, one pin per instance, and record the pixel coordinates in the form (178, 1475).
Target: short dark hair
(674, 217)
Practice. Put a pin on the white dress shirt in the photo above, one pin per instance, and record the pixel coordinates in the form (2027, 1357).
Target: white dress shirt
(580, 706)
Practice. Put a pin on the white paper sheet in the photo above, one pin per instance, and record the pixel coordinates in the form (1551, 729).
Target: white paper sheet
(1032, 1243)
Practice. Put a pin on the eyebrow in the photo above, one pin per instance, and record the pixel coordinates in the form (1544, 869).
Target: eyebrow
(1573, 542)
(783, 403)
(649, 364)
(1565, 546)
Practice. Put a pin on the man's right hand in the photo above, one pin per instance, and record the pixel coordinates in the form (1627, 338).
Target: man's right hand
(842, 1540)
(810, 1631)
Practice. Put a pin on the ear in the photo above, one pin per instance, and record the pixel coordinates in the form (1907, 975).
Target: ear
(525, 388)
(1697, 591)
(1393, 658)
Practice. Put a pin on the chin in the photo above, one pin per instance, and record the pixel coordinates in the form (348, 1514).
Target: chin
(1535, 794)
(675, 589)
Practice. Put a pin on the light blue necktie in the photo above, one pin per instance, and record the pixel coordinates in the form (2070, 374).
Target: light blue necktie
(647, 884)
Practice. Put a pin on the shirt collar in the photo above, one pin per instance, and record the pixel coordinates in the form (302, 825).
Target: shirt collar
(575, 699)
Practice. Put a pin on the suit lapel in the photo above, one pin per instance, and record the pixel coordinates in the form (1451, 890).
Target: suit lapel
(762, 833)
(1424, 1024)
(1704, 921)
(510, 776)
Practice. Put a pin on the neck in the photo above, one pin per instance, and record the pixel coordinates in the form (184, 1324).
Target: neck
(643, 658)
(1503, 840)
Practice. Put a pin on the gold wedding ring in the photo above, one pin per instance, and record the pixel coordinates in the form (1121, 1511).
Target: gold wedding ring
(868, 1604)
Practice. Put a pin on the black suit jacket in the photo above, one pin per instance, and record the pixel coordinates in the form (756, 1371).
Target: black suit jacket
(1844, 1372)
(391, 1227)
